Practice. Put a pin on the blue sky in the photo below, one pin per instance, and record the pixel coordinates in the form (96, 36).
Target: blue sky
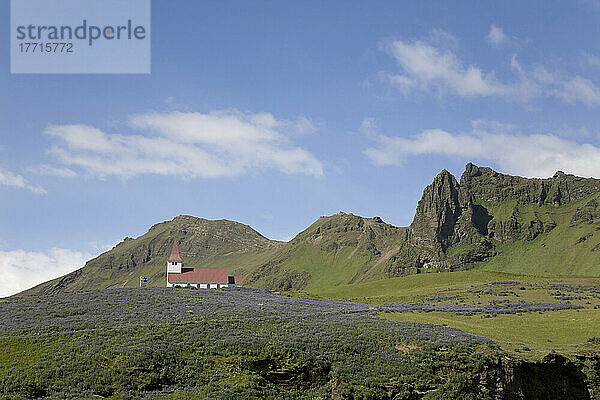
(274, 113)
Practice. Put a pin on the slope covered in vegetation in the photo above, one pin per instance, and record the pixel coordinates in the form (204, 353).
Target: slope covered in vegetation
(569, 332)
(168, 343)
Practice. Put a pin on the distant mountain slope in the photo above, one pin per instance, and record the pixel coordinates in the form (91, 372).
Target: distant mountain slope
(339, 249)
(489, 220)
(202, 242)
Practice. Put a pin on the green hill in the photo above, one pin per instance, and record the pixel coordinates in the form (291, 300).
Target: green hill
(488, 221)
(202, 243)
(335, 250)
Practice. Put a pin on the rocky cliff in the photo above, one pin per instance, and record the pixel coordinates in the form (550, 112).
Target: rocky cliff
(459, 224)
(447, 215)
(491, 186)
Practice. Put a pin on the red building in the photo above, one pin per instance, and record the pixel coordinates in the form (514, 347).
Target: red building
(204, 278)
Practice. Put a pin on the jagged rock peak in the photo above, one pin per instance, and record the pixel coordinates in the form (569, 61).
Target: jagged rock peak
(559, 175)
(443, 190)
(440, 207)
(445, 186)
(444, 175)
(473, 171)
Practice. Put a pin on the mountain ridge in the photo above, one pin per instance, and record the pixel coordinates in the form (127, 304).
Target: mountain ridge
(486, 220)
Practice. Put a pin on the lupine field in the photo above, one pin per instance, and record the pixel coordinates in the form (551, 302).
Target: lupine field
(159, 343)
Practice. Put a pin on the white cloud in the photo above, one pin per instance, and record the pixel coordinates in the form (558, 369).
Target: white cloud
(20, 269)
(569, 89)
(535, 155)
(426, 67)
(368, 126)
(577, 90)
(572, 132)
(49, 170)
(496, 37)
(100, 248)
(8, 178)
(188, 145)
(303, 125)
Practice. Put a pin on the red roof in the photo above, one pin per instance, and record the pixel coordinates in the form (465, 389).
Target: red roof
(175, 252)
(237, 280)
(201, 275)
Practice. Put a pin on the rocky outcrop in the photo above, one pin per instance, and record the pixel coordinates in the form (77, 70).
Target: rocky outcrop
(444, 214)
(488, 207)
(590, 367)
(447, 215)
(555, 377)
(491, 186)
(589, 213)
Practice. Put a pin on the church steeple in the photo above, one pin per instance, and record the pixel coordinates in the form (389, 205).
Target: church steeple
(174, 262)
(175, 252)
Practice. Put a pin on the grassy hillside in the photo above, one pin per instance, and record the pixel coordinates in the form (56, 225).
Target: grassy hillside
(529, 335)
(169, 343)
(335, 250)
(208, 243)
(570, 248)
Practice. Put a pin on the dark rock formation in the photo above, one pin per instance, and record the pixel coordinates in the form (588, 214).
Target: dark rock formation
(555, 377)
(444, 214)
(487, 205)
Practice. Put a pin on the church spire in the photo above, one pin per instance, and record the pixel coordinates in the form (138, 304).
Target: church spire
(175, 252)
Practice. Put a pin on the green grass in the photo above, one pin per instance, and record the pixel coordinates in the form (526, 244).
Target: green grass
(413, 287)
(565, 331)
(501, 211)
(342, 264)
(17, 351)
(188, 395)
(327, 268)
(555, 253)
(460, 249)
(238, 264)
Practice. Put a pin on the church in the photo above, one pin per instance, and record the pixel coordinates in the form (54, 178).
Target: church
(203, 278)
